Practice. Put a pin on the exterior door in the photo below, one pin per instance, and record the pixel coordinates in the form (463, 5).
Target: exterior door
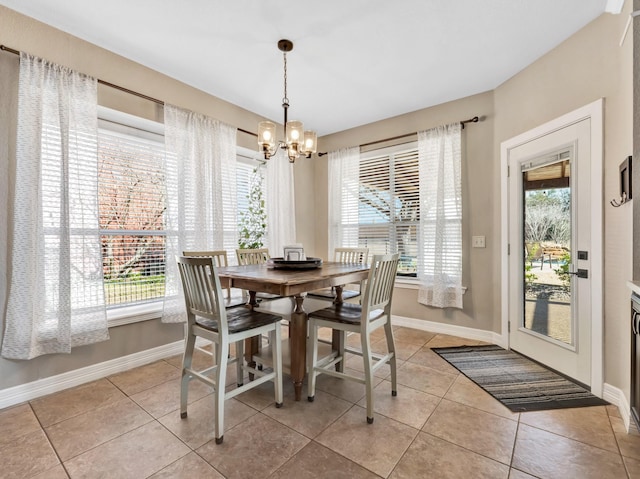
(550, 256)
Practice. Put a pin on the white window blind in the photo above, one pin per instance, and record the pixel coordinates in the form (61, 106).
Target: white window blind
(387, 213)
(131, 207)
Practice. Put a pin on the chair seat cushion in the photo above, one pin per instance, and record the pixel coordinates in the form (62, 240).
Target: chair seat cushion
(240, 319)
(330, 293)
(347, 313)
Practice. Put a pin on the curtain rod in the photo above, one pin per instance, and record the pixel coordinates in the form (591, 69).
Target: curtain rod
(475, 119)
(125, 90)
(5, 48)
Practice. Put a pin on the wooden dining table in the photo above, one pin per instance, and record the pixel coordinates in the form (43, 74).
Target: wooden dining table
(294, 283)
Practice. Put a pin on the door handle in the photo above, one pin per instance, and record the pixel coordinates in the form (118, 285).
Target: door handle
(634, 323)
(581, 273)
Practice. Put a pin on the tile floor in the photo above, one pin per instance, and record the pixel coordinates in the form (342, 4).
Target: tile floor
(439, 426)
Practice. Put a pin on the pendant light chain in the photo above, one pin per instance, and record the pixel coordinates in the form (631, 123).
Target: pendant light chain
(285, 100)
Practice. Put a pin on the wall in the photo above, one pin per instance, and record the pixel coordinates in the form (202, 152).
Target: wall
(636, 141)
(479, 181)
(587, 66)
(25, 34)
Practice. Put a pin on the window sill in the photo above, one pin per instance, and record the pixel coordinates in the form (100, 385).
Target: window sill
(407, 283)
(134, 314)
(413, 283)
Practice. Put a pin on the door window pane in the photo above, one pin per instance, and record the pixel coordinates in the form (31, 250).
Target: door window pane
(547, 253)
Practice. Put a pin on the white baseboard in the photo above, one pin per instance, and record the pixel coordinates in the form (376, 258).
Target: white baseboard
(451, 329)
(28, 391)
(52, 384)
(616, 397)
(41, 387)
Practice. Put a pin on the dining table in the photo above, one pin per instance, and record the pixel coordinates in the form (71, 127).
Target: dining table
(295, 283)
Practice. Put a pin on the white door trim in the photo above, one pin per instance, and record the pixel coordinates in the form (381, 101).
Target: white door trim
(594, 112)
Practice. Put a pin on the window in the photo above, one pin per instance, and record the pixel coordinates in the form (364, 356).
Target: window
(131, 197)
(131, 207)
(388, 204)
(250, 189)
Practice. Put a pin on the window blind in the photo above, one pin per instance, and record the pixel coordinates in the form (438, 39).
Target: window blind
(387, 211)
(131, 195)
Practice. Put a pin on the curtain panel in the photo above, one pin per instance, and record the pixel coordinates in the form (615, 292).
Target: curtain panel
(440, 226)
(56, 296)
(201, 194)
(344, 197)
(280, 204)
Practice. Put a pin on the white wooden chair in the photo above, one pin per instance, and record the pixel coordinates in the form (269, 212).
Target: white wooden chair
(220, 259)
(252, 256)
(345, 255)
(255, 256)
(373, 313)
(208, 318)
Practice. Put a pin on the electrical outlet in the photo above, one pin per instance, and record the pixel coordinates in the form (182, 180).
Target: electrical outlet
(478, 242)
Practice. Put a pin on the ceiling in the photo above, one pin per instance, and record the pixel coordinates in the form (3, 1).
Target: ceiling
(353, 62)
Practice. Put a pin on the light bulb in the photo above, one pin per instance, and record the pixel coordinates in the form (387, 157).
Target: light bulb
(266, 135)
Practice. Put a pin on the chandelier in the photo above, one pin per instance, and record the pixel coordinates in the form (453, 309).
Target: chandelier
(297, 141)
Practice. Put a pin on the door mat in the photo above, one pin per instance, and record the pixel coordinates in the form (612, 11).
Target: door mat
(516, 381)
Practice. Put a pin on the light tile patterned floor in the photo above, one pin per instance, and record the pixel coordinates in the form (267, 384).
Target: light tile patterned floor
(440, 425)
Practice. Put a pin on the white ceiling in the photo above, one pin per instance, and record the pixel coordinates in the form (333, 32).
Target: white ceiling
(353, 62)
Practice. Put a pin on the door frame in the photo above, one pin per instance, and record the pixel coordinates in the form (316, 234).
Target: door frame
(594, 112)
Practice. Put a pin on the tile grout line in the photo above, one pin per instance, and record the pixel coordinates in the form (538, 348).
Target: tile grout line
(312, 440)
(615, 436)
(44, 431)
(577, 440)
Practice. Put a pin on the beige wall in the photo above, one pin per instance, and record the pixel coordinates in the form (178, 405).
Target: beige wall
(479, 181)
(636, 143)
(588, 66)
(25, 34)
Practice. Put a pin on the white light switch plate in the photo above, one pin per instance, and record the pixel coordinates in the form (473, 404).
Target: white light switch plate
(478, 242)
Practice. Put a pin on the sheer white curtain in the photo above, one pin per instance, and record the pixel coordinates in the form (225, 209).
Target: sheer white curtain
(56, 295)
(201, 198)
(440, 229)
(344, 193)
(280, 204)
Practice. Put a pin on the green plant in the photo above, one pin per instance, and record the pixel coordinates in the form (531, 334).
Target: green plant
(529, 277)
(563, 270)
(253, 221)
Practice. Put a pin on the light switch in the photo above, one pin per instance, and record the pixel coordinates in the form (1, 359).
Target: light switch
(478, 242)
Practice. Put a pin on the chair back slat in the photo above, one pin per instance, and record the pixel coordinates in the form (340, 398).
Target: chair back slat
(202, 291)
(351, 255)
(220, 258)
(379, 289)
(252, 256)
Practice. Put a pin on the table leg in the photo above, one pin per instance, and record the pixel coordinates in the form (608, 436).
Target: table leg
(337, 337)
(298, 342)
(253, 302)
(338, 299)
(251, 345)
